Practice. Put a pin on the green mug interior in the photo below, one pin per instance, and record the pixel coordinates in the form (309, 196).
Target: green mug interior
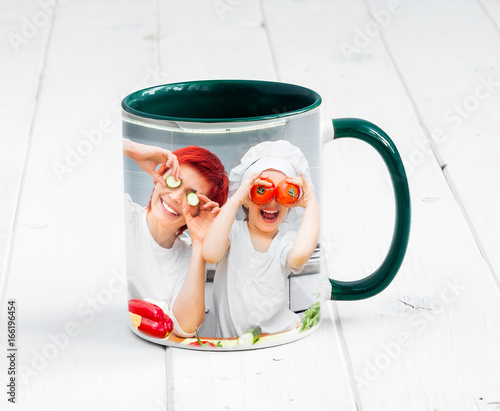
(221, 100)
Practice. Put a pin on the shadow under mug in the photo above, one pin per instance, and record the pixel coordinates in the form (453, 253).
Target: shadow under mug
(229, 118)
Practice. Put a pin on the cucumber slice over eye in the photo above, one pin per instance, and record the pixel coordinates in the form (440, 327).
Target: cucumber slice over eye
(172, 182)
(193, 199)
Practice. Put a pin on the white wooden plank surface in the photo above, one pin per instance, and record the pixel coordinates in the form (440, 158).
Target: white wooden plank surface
(453, 76)
(214, 40)
(427, 340)
(23, 51)
(75, 348)
(22, 47)
(306, 374)
(492, 11)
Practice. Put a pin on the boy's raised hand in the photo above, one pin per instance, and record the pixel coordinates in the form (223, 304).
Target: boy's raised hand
(308, 194)
(242, 194)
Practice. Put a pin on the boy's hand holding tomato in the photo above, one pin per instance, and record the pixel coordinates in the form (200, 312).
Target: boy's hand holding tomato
(251, 184)
(307, 191)
(287, 193)
(263, 190)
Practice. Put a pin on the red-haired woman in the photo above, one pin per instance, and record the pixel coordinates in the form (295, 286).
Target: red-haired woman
(161, 266)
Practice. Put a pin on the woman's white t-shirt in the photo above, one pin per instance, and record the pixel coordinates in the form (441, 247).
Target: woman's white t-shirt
(250, 287)
(153, 272)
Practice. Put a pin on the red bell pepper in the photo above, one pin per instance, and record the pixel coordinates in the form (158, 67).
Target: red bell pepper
(145, 309)
(153, 321)
(153, 328)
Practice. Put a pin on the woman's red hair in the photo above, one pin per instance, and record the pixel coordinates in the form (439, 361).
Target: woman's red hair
(209, 166)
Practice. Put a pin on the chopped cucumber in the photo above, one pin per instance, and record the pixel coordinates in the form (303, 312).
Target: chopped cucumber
(251, 336)
(172, 182)
(192, 199)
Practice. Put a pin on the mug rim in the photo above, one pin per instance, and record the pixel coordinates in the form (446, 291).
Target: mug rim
(134, 102)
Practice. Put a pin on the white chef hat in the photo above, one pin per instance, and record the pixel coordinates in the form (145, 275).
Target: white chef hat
(277, 155)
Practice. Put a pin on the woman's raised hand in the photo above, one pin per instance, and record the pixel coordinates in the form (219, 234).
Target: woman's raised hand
(198, 223)
(149, 157)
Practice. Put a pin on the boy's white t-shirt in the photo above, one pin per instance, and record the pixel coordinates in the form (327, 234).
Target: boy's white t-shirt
(153, 272)
(250, 288)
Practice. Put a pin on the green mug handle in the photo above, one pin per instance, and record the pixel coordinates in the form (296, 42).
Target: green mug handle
(383, 275)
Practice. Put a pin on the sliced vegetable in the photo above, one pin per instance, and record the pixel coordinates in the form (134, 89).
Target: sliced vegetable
(251, 336)
(172, 182)
(311, 317)
(287, 194)
(134, 319)
(200, 343)
(261, 194)
(205, 344)
(192, 199)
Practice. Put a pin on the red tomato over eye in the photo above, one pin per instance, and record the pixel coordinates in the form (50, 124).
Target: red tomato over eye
(261, 194)
(287, 194)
